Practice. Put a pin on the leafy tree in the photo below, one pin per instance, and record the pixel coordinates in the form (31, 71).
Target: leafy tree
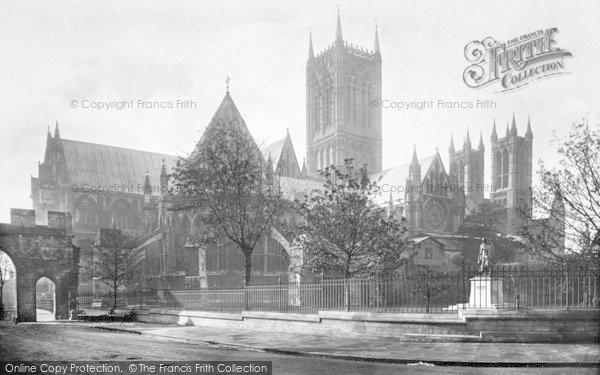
(111, 264)
(344, 231)
(576, 183)
(7, 272)
(227, 180)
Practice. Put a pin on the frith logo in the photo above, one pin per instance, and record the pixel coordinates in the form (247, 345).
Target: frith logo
(516, 62)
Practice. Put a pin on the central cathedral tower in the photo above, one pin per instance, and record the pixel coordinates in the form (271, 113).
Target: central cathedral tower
(343, 111)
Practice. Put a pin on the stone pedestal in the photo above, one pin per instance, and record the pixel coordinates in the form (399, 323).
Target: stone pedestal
(486, 293)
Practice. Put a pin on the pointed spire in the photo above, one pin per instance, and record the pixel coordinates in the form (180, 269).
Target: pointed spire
(415, 160)
(49, 135)
(480, 147)
(507, 132)
(468, 141)
(269, 170)
(311, 53)
(227, 84)
(494, 134)
(513, 126)
(338, 29)
(304, 172)
(56, 131)
(376, 46)
(451, 143)
(528, 133)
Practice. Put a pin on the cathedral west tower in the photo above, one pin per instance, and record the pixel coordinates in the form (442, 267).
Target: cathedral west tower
(343, 112)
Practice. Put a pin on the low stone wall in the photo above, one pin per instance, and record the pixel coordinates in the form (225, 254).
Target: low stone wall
(468, 325)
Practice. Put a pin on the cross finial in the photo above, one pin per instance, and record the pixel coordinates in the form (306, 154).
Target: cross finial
(227, 83)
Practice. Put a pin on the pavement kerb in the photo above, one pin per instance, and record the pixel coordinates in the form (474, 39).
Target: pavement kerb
(300, 353)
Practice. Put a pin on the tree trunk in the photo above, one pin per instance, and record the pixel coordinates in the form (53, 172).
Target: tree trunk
(248, 267)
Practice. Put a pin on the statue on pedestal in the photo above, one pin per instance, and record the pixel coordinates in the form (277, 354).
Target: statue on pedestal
(483, 265)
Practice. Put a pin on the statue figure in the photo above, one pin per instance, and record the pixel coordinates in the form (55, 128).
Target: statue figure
(483, 264)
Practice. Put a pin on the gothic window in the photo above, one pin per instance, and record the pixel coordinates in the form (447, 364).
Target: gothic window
(368, 109)
(319, 110)
(505, 168)
(434, 216)
(86, 213)
(122, 215)
(497, 171)
(331, 106)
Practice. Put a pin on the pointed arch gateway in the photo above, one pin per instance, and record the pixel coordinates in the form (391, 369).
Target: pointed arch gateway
(42, 251)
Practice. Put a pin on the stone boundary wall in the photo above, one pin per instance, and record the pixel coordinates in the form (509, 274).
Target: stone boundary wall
(467, 325)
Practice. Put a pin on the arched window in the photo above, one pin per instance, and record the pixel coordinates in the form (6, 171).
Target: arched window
(86, 213)
(505, 167)
(122, 215)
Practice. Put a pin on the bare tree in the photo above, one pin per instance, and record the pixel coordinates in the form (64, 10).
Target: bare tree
(569, 196)
(111, 265)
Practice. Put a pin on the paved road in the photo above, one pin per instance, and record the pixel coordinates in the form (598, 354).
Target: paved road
(55, 342)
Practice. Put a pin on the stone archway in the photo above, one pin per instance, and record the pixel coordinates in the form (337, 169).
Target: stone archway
(37, 251)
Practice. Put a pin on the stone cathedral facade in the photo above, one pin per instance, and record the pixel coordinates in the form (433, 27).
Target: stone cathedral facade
(103, 186)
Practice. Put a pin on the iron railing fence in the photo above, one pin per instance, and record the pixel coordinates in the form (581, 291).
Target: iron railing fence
(505, 287)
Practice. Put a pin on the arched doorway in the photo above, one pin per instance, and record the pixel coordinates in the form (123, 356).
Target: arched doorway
(8, 287)
(45, 299)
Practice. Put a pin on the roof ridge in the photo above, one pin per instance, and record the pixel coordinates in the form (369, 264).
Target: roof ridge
(118, 147)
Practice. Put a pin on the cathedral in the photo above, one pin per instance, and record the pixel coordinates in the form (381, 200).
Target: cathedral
(104, 186)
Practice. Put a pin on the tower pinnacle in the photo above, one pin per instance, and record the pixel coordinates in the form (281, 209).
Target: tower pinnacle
(376, 45)
(513, 126)
(494, 134)
(529, 133)
(311, 53)
(338, 30)
(480, 147)
(56, 131)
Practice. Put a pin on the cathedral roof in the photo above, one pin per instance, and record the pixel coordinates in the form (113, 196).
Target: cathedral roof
(393, 180)
(295, 188)
(101, 165)
(274, 149)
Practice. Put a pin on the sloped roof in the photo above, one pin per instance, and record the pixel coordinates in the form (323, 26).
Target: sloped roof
(101, 165)
(394, 179)
(227, 116)
(274, 149)
(292, 188)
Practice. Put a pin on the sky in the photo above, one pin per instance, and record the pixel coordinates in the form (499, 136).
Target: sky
(54, 57)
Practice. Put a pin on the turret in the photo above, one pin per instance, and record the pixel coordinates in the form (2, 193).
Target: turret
(414, 171)
(376, 44)
(311, 53)
(269, 170)
(56, 131)
(164, 178)
(467, 145)
(481, 147)
(147, 188)
(528, 133)
(304, 172)
(338, 31)
(513, 126)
